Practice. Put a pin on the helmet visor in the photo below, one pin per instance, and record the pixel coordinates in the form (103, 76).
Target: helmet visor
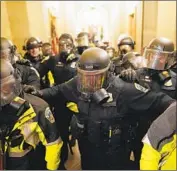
(83, 41)
(91, 81)
(155, 59)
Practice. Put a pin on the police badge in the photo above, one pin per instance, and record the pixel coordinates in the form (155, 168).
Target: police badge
(49, 116)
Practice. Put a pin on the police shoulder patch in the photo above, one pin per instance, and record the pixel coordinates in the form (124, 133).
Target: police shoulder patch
(49, 116)
(141, 88)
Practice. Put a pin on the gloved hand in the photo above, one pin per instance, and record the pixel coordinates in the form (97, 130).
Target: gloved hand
(24, 62)
(129, 75)
(32, 90)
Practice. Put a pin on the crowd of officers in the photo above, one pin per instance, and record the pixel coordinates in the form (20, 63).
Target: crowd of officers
(118, 104)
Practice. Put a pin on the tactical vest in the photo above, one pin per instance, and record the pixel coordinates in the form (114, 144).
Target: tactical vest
(102, 125)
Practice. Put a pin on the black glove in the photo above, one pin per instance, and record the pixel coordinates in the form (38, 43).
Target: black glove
(32, 90)
(129, 75)
(24, 62)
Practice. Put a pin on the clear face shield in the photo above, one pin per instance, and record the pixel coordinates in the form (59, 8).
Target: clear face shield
(82, 41)
(156, 59)
(89, 82)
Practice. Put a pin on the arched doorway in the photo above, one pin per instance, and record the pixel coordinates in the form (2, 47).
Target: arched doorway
(94, 20)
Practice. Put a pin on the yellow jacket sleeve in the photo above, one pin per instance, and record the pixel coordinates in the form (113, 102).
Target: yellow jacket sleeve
(149, 158)
(49, 136)
(52, 156)
(53, 151)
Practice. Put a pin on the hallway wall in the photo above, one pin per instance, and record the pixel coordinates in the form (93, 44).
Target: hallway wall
(22, 19)
(5, 24)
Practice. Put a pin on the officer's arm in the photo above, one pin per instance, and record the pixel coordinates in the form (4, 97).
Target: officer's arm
(50, 94)
(33, 77)
(133, 99)
(50, 138)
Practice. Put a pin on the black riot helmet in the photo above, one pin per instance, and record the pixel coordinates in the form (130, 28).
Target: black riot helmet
(92, 70)
(157, 53)
(31, 43)
(8, 50)
(10, 82)
(125, 44)
(82, 42)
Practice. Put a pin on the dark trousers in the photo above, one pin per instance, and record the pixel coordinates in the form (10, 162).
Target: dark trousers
(19, 163)
(95, 157)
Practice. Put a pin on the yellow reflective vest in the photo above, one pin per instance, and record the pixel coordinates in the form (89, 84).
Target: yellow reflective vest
(36, 124)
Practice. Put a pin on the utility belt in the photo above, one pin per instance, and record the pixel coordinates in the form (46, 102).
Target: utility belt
(7, 137)
(108, 131)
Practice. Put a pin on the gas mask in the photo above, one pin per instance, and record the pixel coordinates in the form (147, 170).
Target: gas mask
(125, 49)
(65, 48)
(81, 49)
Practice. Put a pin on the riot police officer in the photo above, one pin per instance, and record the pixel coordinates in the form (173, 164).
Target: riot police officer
(82, 42)
(29, 75)
(125, 44)
(63, 68)
(25, 121)
(154, 76)
(32, 46)
(103, 122)
(155, 72)
(34, 55)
